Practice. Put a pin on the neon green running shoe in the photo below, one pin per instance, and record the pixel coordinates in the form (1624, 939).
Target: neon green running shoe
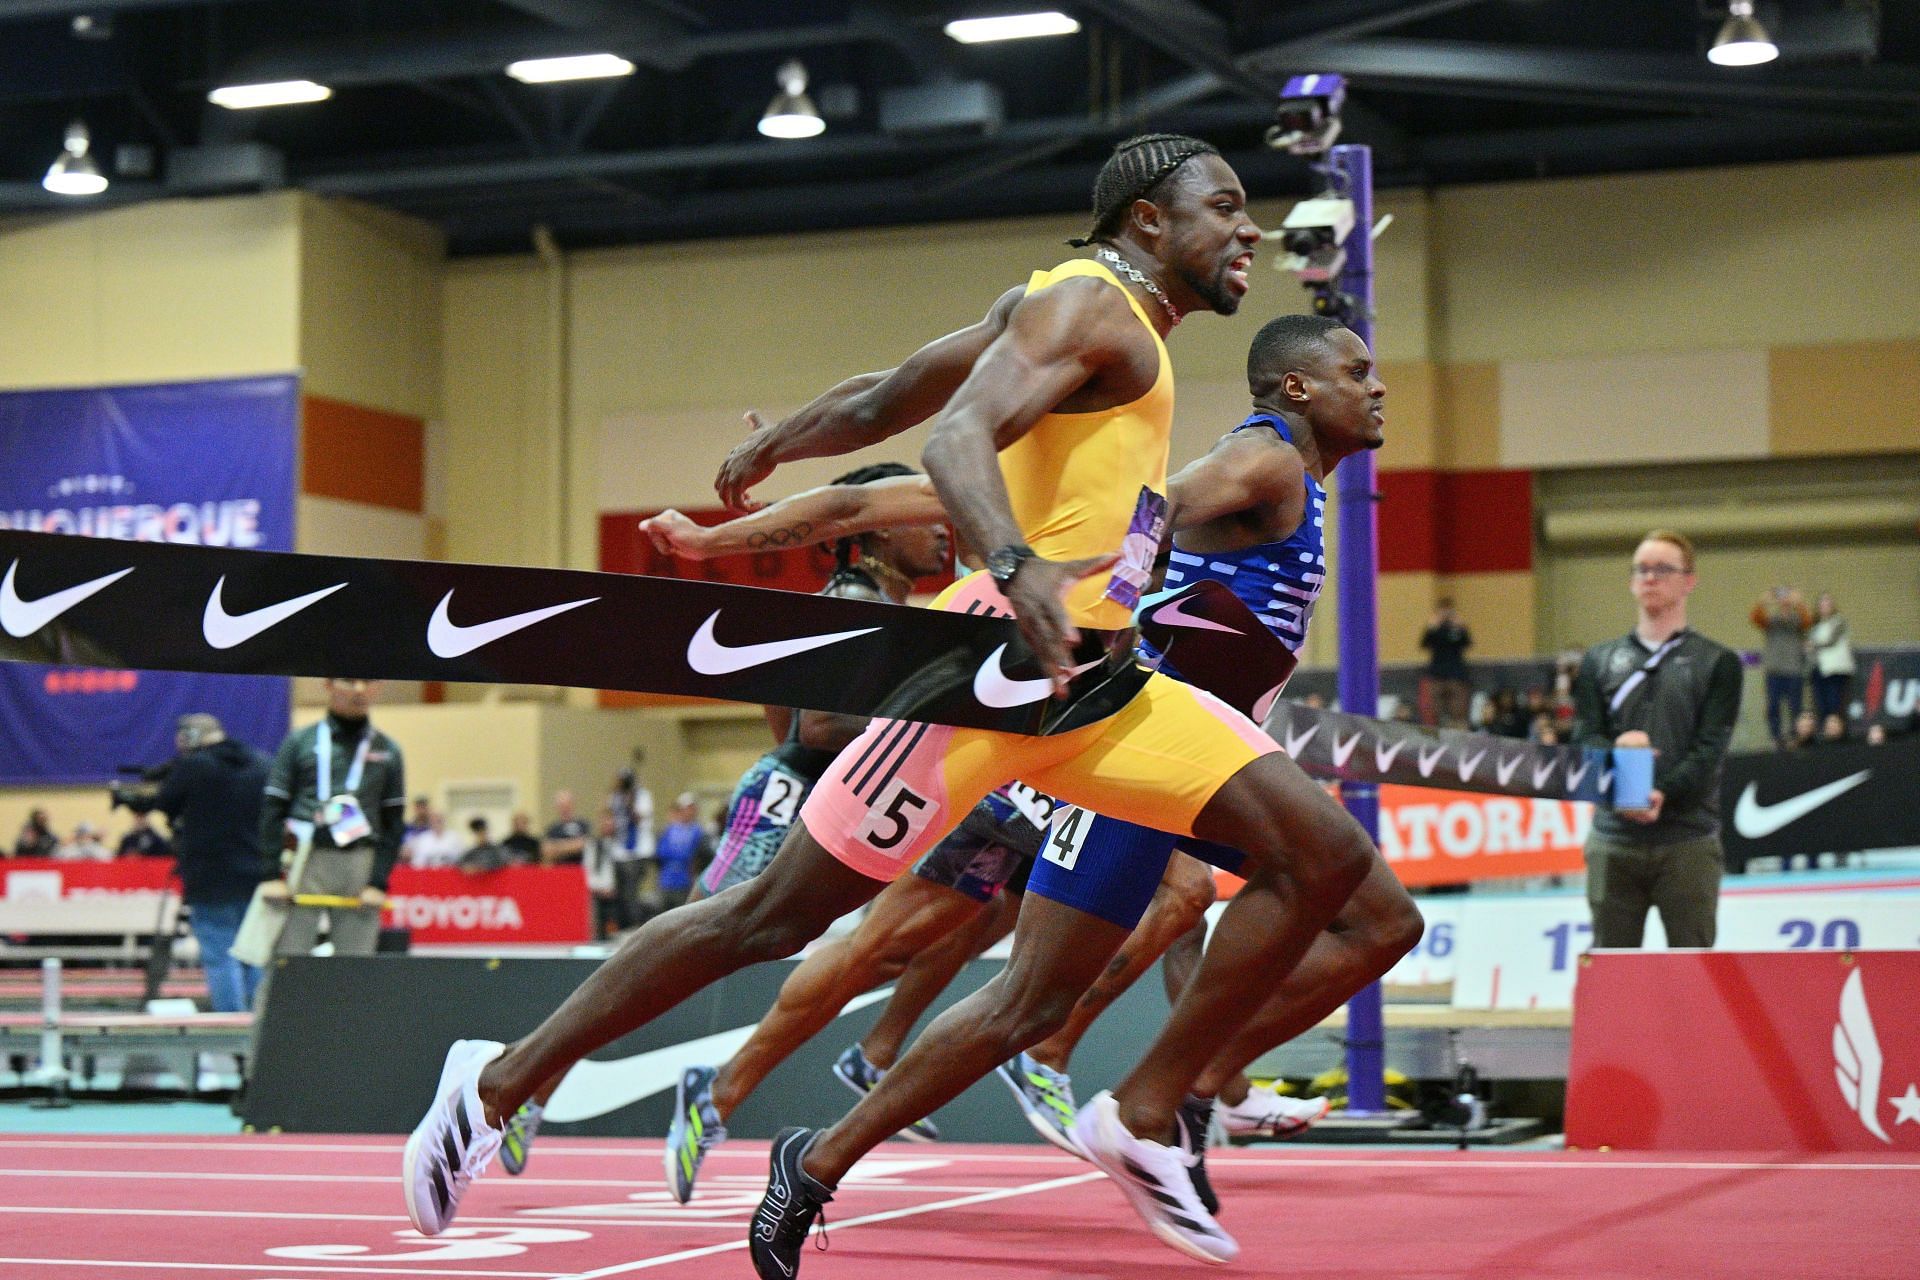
(696, 1130)
(1046, 1096)
(518, 1138)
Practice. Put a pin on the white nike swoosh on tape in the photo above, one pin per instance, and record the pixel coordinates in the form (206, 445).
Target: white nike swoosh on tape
(448, 640)
(711, 658)
(1175, 615)
(595, 1088)
(994, 688)
(225, 630)
(1757, 821)
(21, 618)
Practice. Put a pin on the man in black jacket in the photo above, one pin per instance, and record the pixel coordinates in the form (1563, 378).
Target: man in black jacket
(1666, 686)
(211, 798)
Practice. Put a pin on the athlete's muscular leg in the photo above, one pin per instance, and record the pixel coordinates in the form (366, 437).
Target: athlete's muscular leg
(1057, 953)
(676, 954)
(1182, 960)
(907, 917)
(931, 972)
(1305, 857)
(1377, 926)
(1180, 903)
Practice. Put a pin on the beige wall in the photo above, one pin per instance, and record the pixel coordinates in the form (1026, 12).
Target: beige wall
(161, 292)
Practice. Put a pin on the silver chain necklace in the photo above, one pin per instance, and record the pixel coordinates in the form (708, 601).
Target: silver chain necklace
(1133, 273)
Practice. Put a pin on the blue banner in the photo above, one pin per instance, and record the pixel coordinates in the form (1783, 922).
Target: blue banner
(210, 463)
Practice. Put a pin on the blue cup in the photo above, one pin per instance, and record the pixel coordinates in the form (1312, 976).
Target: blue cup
(1632, 777)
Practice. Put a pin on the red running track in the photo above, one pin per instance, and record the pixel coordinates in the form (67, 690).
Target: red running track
(315, 1208)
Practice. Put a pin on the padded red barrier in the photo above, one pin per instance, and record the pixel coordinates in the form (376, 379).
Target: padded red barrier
(1746, 1051)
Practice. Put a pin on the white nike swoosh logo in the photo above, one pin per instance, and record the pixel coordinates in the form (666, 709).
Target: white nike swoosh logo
(994, 688)
(711, 658)
(1757, 821)
(1505, 768)
(1384, 754)
(21, 618)
(1175, 615)
(595, 1088)
(1468, 766)
(447, 640)
(1428, 761)
(1541, 773)
(1342, 751)
(225, 630)
(1295, 745)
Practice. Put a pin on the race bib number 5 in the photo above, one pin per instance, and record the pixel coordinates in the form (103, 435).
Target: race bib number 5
(897, 817)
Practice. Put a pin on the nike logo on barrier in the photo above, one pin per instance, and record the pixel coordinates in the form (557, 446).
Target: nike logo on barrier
(995, 688)
(1428, 761)
(21, 618)
(1294, 746)
(1504, 769)
(1468, 767)
(1175, 615)
(1385, 754)
(594, 1088)
(1541, 773)
(449, 640)
(1575, 772)
(1856, 1056)
(225, 630)
(711, 658)
(1757, 821)
(1342, 751)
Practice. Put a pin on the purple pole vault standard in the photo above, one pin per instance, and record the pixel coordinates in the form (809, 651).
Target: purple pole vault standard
(1358, 597)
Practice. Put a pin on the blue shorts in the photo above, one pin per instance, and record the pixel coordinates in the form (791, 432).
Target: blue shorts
(1109, 868)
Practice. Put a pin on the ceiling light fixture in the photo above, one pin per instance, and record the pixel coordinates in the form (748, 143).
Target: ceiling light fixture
(792, 114)
(75, 173)
(277, 93)
(1742, 41)
(579, 66)
(1012, 26)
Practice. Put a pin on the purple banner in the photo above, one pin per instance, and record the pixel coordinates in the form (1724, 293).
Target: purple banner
(208, 463)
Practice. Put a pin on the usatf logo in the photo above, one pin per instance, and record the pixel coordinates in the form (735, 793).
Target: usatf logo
(1859, 1065)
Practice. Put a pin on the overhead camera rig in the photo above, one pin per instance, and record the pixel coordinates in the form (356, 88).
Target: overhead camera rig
(1315, 232)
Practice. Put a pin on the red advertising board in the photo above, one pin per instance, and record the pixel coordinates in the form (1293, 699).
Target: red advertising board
(1746, 1051)
(1450, 837)
(515, 904)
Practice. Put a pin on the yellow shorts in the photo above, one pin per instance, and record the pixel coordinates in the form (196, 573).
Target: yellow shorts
(900, 787)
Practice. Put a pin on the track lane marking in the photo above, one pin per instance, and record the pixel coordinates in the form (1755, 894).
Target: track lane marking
(1005, 1193)
(274, 1265)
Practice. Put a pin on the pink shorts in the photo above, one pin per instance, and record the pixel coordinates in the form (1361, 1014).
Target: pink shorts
(901, 786)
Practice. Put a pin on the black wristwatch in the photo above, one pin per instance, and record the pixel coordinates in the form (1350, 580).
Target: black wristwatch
(1004, 563)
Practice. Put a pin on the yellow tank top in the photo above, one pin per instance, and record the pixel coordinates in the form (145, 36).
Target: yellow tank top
(1075, 478)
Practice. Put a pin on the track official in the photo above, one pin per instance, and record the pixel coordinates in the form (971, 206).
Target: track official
(335, 805)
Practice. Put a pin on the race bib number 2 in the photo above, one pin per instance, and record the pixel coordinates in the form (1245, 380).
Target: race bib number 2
(780, 798)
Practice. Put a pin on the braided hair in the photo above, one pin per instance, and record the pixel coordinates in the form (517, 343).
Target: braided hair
(1135, 169)
(846, 549)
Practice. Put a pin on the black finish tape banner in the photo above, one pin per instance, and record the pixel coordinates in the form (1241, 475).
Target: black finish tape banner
(1822, 799)
(155, 606)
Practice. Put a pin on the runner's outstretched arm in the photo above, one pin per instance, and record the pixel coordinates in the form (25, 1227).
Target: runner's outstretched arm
(863, 410)
(814, 515)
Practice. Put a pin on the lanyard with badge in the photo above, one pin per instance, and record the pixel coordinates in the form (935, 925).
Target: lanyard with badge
(341, 814)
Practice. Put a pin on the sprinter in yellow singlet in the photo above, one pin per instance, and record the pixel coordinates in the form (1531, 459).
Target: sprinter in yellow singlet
(1049, 449)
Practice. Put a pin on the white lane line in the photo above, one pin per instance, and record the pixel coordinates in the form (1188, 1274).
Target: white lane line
(533, 1217)
(1005, 1193)
(259, 1268)
(619, 1184)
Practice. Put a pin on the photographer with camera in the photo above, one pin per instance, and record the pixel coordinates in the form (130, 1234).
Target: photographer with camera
(211, 796)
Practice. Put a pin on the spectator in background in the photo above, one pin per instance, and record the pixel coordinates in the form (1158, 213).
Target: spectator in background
(566, 835)
(682, 846)
(1806, 732)
(632, 808)
(1783, 620)
(1666, 686)
(85, 846)
(142, 841)
(1544, 731)
(211, 798)
(1446, 641)
(338, 787)
(482, 854)
(1831, 651)
(418, 820)
(436, 846)
(610, 916)
(521, 845)
(36, 839)
(1507, 718)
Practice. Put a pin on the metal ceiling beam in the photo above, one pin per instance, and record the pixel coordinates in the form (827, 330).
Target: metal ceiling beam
(410, 176)
(1640, 144)
(23, 10)
(1621, 80)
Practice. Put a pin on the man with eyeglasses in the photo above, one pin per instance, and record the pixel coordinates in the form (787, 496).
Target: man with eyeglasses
(1666, 686)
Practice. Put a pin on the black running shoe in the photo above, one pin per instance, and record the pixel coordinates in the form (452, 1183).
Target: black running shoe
(1195, 1117)
(793, 1200)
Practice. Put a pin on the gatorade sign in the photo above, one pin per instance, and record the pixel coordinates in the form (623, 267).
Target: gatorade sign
(1450, 837)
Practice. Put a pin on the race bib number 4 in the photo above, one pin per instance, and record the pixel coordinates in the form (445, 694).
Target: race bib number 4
(1067, 836)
